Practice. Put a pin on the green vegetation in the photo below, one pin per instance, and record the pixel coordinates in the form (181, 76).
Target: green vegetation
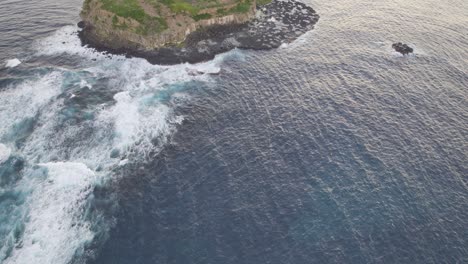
(155, 4)
(86, 6)
(189, 8)
(201, 17)
(126, 9)
(181, 6)
(242, 7)
(263, 2)
(132, 9)
(123, 12)
(117, 24)
(208, 3)
(154, 25)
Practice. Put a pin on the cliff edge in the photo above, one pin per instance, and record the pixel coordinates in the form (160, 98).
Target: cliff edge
(152, 24)
(177, 31)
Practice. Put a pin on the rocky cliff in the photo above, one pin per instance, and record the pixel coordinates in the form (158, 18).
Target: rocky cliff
(178, 31)
(152, 24)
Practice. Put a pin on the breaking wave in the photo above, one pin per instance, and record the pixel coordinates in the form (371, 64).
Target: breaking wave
(68, 129)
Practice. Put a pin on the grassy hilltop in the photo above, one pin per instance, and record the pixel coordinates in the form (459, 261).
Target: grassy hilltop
(147, 17)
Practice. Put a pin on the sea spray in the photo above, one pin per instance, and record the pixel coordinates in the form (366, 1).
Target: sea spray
(4, 153)
(86, 124)
(54, 227)
(12, 63)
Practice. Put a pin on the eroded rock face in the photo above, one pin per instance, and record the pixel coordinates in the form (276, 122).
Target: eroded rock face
(402, 48)
(152, 24)
(281, 21)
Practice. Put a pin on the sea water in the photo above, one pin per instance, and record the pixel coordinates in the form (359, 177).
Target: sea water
(330, 149)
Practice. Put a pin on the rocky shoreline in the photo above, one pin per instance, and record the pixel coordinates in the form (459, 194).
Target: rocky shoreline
(275, 23)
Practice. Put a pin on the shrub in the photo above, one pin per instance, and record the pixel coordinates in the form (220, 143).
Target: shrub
(201, 17)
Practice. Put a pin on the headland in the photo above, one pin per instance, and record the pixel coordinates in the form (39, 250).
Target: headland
(176, 31)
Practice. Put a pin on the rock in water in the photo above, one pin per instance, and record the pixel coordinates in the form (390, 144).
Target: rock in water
(402, 48)
(81, 24)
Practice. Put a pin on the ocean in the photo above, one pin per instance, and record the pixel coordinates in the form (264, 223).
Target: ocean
(330, 149)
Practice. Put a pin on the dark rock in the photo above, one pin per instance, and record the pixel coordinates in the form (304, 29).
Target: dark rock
(81, 24)
(402, 48)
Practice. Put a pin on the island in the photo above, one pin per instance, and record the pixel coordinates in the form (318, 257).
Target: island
(176, 31)
(402, 48)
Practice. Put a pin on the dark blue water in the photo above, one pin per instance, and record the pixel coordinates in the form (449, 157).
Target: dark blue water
(332, 149)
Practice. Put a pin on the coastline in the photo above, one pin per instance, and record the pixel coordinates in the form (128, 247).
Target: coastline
(274, 24)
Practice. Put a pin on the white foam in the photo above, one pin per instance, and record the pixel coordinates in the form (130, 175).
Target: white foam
(5, 153)
(84, 83)
(12, 63)
(26, 99)
(302, 40)
(127, 119)
(66, 41)
(136, 123)
(55, 229)
(210, 68)
(123, 162)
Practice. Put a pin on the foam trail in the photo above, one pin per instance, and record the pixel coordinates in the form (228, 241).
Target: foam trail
(126, 118)
(5, 153)
(29, 96)
(137, 124)
(65, 160)
(54, 228)
(65, 40)
(12, 63)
